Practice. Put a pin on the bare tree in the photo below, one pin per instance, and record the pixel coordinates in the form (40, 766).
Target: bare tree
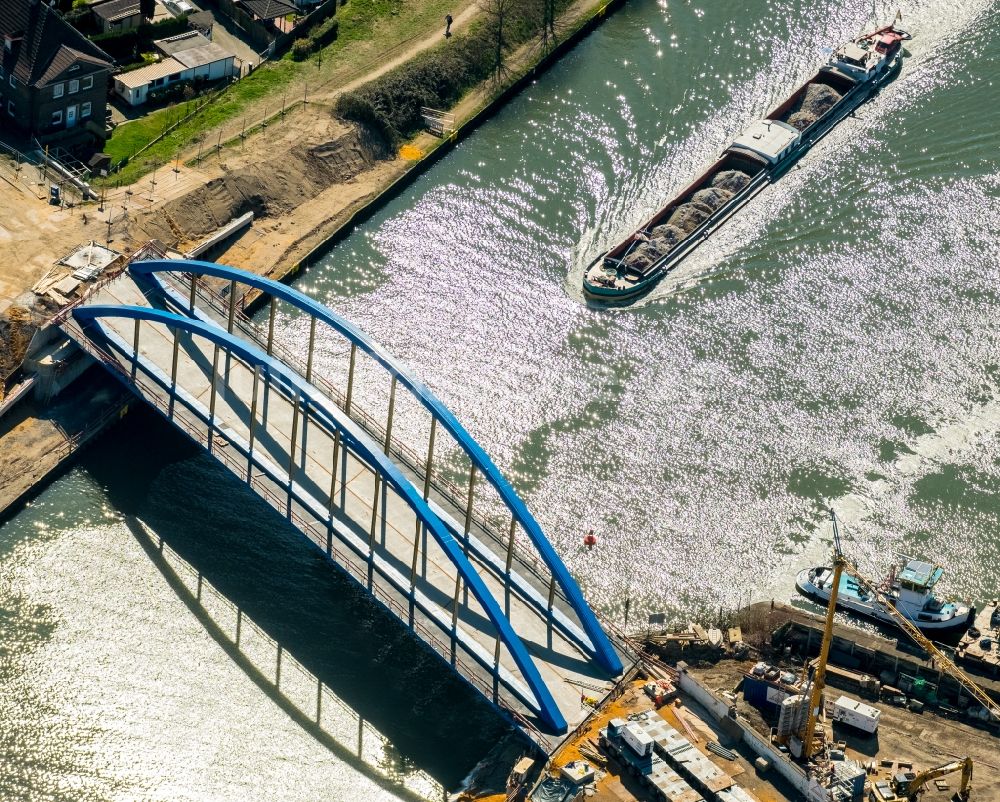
(548, 21)
(498, 14)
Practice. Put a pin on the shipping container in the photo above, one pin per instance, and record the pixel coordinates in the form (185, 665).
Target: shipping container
(762, 694)
(856, 714)
(637, 738)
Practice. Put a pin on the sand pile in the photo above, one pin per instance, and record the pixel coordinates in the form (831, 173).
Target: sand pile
(16, 331)
(270, 188)
(730, 180)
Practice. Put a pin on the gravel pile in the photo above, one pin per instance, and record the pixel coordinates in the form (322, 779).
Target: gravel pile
(816, 101)
(686, 218)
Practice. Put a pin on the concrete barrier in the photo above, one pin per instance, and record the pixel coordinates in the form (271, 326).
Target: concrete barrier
(780, 762)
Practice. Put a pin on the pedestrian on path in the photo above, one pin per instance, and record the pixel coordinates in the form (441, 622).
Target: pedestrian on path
(447, 26)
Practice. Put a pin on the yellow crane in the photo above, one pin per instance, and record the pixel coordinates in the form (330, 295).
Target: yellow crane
(905, 786)
(939, 658)
(808, 733)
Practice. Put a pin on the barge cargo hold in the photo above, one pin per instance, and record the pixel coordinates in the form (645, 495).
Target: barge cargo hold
(761, 155)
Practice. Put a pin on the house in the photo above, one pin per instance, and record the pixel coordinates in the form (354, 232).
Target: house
(53, 80)
(187, 57)
(118, 16)
(270, 9)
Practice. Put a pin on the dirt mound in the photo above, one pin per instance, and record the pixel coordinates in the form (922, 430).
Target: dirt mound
(712, 197)
(663, 239)
(16, 331)
(645, 255)
(816, 101)
(730, 180)
(801, 120)
(274, 187)
(688, 216)
(668, 234)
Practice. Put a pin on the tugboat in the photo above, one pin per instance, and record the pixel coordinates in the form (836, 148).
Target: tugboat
(758, 157)
(909, 588)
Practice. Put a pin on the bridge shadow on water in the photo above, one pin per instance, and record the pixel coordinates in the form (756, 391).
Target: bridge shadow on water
(330, 656)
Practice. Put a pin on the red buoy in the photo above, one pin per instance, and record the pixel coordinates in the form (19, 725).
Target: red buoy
(590, 539)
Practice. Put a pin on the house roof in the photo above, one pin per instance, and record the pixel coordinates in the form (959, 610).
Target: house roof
(64, 58)
(144, 75)
(200, 56)
(269, 9)
(182, 41)
(44, 45)
(112, 10)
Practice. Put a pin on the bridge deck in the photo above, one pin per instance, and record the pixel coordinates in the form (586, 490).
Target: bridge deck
(351, 483)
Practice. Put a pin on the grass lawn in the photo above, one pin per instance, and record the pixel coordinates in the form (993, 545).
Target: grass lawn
(367, 28)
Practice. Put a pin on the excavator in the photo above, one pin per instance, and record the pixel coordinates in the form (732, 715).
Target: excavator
(905, 786)
(810, 743)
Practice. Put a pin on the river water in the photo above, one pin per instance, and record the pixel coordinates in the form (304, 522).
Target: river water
(834, 343)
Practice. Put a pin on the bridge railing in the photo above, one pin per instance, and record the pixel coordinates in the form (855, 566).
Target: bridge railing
(544, 570)
(524, 555)
(469, 664)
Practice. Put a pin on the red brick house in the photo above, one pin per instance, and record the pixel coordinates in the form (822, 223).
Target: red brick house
(53, 80)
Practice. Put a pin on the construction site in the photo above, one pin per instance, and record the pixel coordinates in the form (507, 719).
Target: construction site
(780, 703)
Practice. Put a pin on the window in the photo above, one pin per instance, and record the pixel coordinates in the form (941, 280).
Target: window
(10, 107)
(57, 118)
(88, 82)
(74, 86)
(12, 81)
(84, 110)
(57, 90)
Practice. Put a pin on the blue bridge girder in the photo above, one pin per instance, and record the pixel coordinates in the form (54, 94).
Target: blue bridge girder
(359, 441)
(490, 560)
(599, 648)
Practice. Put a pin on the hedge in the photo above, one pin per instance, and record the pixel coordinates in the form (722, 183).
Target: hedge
(318, 38)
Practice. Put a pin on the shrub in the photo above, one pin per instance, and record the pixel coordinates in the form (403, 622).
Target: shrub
(391, 104)
(124, 46)
(325, 33)
(301, 49)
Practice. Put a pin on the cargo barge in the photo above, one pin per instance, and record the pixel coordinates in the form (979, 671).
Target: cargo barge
(758, 157)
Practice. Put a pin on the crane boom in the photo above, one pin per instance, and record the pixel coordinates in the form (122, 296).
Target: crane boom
(819, 675)
(943, 662)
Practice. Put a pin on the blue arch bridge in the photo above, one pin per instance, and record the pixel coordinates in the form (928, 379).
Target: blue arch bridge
(417, 513)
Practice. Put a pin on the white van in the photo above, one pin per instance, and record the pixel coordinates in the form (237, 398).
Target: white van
(178, 7)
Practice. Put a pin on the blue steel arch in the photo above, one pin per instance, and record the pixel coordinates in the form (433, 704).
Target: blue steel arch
(356, 439)
(603, 652)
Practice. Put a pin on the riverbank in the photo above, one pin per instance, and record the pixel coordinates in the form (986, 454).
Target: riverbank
(310, 177)
(324, 178)
(38, 441)
(470, 112)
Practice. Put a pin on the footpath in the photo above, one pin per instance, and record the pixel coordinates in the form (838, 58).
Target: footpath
(309, 178)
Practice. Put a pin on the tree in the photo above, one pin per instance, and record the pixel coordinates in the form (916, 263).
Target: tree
(548, 20)
(498, 14)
